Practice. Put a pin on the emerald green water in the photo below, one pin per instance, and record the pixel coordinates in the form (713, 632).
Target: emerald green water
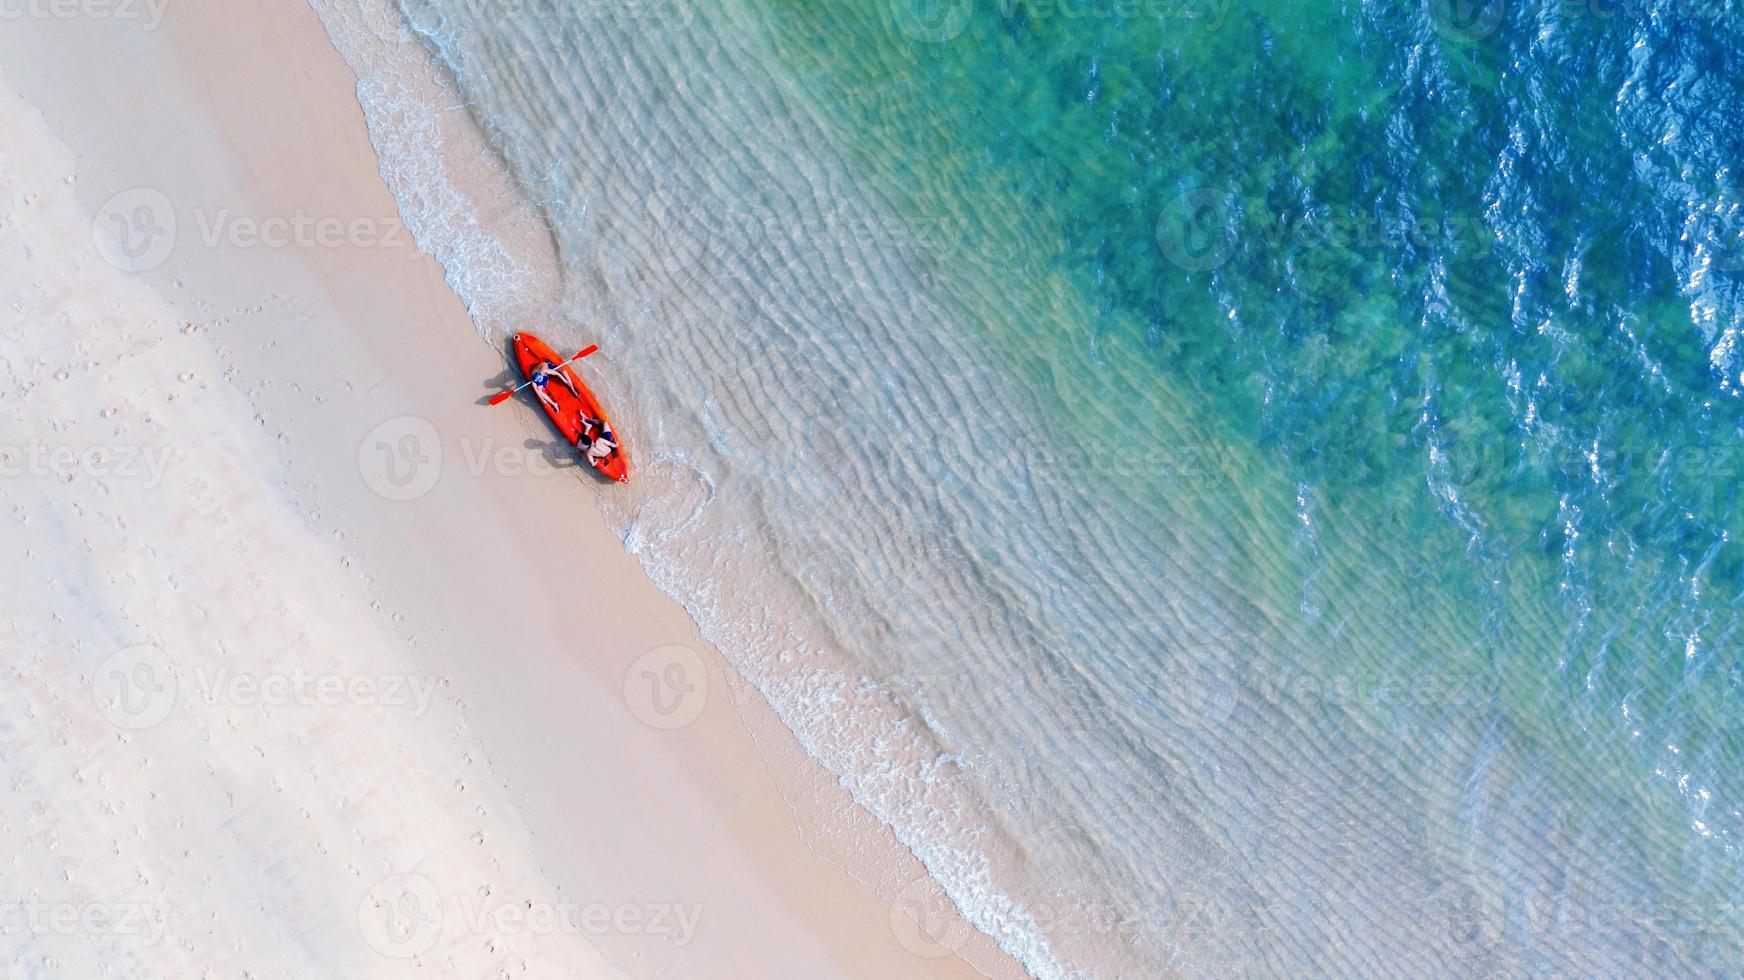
(1444, 283)
(1364, 267)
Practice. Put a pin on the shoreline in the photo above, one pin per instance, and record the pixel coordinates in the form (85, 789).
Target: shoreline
(308, 335)
(629, 276)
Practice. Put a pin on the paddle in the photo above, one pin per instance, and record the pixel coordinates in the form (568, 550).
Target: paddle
(501, 397)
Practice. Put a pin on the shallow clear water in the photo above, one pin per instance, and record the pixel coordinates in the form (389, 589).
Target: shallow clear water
(1242, 489)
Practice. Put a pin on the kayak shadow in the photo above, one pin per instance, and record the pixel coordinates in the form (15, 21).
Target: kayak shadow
(500, 382)
(558, 455)
(552, 452)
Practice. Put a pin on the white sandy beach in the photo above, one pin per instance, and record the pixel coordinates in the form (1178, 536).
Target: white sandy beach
(316, 666)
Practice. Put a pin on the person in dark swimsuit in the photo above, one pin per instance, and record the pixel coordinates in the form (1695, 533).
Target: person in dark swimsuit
(596, 441)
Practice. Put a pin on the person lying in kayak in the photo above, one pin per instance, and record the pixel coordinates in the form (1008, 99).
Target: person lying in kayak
(542, 375)
(597, 447)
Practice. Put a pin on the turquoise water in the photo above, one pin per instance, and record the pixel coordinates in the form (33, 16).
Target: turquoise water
(1241, 489)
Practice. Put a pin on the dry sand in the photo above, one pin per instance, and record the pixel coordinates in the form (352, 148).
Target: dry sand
(316, 666)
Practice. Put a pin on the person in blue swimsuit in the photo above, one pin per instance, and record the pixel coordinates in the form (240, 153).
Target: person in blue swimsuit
(543, 372)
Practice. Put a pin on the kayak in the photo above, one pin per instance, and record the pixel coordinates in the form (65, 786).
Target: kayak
(530, 351)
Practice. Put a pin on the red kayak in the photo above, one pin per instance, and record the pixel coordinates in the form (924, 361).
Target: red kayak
(531, 352)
